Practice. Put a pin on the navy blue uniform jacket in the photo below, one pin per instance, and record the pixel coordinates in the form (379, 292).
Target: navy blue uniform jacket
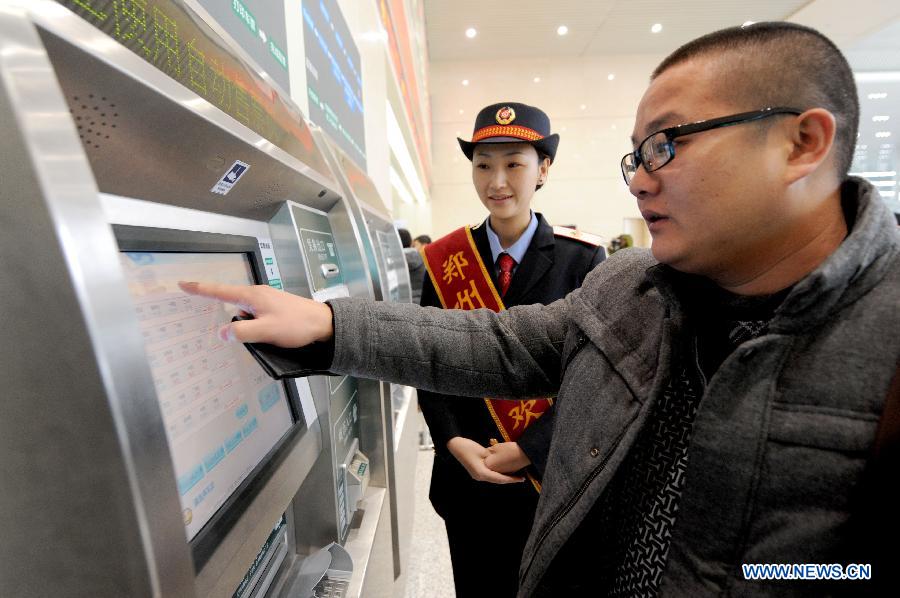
(552, 267)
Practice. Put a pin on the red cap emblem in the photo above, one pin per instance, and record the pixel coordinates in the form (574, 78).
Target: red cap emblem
(505, 115)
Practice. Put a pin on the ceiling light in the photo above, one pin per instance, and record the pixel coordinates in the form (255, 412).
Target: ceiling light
(877, 96)
(583, 106)
(884, 183)
(470, 32)
(399, 186)
(657, 27)
(562, 30)
(537, 79)
(877, 77)
(610, 76)
(881, 118)
(875, 174)
(374, 36)
(465, 82)
(399, 149)
(460, 110)
(887, 193)
(747, 23)
(883, 134)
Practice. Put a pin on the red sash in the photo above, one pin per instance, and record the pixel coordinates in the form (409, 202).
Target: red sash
(462, 282)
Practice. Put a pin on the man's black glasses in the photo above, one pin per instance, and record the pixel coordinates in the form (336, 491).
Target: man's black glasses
(657, 149)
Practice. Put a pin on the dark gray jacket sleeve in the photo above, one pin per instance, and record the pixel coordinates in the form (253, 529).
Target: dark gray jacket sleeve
(512, 354)
(535, 441)
(438, 410)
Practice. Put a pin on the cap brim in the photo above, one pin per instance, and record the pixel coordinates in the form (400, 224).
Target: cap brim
(547, 145)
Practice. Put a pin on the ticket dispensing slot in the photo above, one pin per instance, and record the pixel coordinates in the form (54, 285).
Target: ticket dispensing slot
(330, 271)
(355, 470)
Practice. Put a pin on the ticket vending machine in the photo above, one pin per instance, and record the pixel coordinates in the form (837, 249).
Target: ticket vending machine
(355, 461)
(141, 455)
(390, 276)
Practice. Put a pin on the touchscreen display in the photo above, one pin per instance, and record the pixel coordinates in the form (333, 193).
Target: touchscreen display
(222, 413)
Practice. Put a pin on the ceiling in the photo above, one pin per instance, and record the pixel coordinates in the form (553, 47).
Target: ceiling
(878, 51)
(527, 28)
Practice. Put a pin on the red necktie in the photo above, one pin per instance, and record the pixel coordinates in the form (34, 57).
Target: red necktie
(506, 263)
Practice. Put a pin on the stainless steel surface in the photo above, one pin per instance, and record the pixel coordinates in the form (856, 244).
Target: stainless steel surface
(138, 212)
(393, 272)
(312, 503)
(350, 226)
(406, 452)
(372, 220)
(376, 439)
(142, 150)
(89, 471)
(369, 547)
(89, 501)
(80, 416)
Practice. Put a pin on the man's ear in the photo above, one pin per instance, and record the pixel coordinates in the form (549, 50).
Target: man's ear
(811, 142)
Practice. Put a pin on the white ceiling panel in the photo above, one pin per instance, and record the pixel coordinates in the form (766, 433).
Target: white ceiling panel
(527, 28)
(879, 51)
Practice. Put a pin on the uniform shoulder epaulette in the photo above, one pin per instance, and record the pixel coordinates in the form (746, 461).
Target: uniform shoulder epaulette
(577, 235)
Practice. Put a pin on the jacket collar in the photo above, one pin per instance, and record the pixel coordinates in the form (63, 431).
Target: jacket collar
(538, 259)
(857, 265)
(516, 250)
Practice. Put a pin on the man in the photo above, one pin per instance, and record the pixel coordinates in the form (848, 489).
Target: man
(716, 401)
(421, 241)
(414, 264)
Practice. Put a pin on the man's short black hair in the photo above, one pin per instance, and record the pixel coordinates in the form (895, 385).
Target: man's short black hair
(782, 64)
(405, 237)
(423, 239)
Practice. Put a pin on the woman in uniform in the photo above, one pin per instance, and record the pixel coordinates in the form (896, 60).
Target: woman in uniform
(513, 257)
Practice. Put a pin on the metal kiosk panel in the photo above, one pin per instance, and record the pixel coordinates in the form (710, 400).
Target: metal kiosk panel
(388, 270)
(94, 135)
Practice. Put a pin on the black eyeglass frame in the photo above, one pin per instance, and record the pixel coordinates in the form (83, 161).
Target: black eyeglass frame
(673, 133)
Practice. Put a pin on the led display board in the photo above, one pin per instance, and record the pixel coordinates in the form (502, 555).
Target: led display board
(172, 38)
(333, 77)
(258, 26)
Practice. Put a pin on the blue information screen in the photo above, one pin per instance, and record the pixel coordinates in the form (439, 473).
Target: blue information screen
(333, 77)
